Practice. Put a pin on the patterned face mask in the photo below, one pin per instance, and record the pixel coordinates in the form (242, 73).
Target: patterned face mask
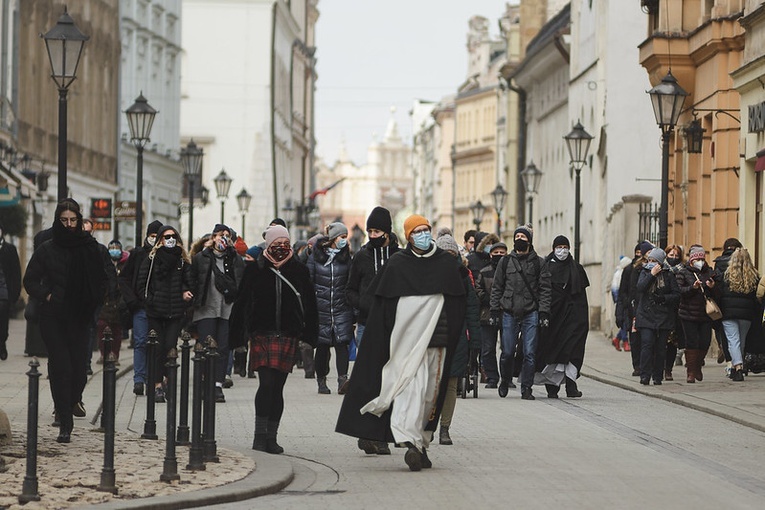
(170, 243)
(279, 253)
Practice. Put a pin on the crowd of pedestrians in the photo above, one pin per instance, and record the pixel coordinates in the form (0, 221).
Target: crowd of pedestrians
(670, 306)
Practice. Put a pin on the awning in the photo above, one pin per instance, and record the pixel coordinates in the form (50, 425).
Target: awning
(759, 165)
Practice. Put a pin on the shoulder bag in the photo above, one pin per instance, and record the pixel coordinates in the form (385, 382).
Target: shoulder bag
(713, 311)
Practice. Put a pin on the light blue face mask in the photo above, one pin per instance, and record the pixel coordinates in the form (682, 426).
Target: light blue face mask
(341, 243)
(487, 248)
(422, 240)
(650, 265)
(115, 254)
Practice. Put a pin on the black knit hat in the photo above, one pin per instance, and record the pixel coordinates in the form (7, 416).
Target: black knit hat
(731, 244)
(153, 227)
(561, 241)
(220, 227)
(379, 218)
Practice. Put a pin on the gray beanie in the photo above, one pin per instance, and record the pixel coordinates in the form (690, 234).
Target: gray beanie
(658, 255)
(447, 242)
(336, 229)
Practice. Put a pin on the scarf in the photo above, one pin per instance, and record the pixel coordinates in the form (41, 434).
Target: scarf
(277, 264)
(166, 260)
(85, 272)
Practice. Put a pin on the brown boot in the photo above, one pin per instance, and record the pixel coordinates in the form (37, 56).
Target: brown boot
(690, 363)
(699, 363)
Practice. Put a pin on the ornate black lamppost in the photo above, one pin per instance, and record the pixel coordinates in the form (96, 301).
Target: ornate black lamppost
(578, 143)
(191, 159)
(140, 118)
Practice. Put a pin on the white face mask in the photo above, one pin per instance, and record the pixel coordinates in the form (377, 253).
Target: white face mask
(698, 264)
(561, 253)
(151, 240)
(170, 243)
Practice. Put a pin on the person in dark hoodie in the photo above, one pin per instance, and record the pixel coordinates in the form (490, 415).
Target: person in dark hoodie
(560, 352)
(216, 273)
(658, 298)
(366, 264)
(68, 274)
(481, 258)
(489, 328)
(128, 280)
(401, 373)
(520, 299)
(164, 279)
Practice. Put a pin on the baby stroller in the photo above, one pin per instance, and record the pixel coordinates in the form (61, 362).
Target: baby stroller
(470, 381)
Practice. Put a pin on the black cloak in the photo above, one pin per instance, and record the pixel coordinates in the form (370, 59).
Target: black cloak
(564, 340)
(405, 274)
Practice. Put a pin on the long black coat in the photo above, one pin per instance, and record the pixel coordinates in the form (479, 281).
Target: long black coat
(9, 261)
(564, 340)
(260, 298)
(163, 289)
(330, 280)
(201, 272)
(404, 275)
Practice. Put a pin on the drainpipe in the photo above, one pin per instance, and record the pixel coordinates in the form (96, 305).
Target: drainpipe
(521, 159)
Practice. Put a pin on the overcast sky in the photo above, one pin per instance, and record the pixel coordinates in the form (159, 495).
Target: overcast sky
(375, 54)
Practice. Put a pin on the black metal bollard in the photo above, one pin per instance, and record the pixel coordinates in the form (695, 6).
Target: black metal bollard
(107, 342)
(196, 460)
(107, 417)
(29, 488)
(210, 446)
(170, 465)
(150, 425)
(183, 420)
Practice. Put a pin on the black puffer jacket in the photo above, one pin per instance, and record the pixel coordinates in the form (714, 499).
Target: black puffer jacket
(128, 278)
(364, 267)
(330, 280)
(483, 283)
(201, 272)
(693, 301)
(658, 297)
(266, 305)
(735, 305)
(509, 291)
(163, 287)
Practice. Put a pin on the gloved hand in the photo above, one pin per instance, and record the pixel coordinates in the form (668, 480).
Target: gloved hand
(496, 318)
(544, 320)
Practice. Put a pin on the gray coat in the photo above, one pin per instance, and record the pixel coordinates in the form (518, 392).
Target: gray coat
(510, 293)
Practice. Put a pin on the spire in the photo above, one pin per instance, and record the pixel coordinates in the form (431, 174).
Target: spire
(391, 133)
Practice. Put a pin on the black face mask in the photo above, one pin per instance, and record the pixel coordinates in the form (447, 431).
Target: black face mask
(672, 261)
(495, 259)
(377, 242)
(520, 245)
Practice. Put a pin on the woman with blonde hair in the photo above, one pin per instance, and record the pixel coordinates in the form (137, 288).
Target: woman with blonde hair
(165, 280)
(739, 305)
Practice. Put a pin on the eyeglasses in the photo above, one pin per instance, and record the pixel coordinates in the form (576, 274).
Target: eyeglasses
(68, 221)
(168, 236)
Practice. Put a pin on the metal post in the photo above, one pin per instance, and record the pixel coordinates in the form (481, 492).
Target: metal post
(499, 223)
(182, 437)
(29, 488)
(664, 211)
(150, 425)
(109, 398)
(139, 196)
(170, 465)
(196, 461)
(63, 190)
(531, 208)
(577, 214)
(107, 343)
(210, 447)
(243, 216)
(191, 211)
(222, 211)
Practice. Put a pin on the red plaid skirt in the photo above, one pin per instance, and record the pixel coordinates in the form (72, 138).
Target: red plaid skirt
(272, 351)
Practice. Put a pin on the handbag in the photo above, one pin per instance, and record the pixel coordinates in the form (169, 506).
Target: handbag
(713, 311)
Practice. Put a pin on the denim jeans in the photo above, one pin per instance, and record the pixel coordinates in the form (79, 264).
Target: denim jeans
(489, 352)
(527, 326)
(735, 332)
(653, 351)
(359, 334)
(140, 333)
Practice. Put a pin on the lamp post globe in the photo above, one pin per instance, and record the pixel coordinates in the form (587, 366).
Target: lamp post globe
(64, 43)
(478, 210)
(243, 199)
(191, 159)
(578, 142)
(222, 185)
(499, 195)
(667, 99)
(140, 117)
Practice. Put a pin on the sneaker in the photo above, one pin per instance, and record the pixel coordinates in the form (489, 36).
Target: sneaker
(219, 396)
(228, 382)
(138, 388)
(159, 395)
(79, 410)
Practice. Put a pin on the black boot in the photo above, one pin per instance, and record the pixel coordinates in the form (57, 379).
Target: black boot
(571, 389)
(413, 457)
(271, 445)
(444, 437)
(306, 354)
(552, 390)
(323, 388)
(65, 429)
(261, 430)
(426, 464)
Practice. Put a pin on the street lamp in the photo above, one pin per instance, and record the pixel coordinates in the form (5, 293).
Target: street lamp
(140, 117)
(243, 199)
(64, 43)
(694, 135)
(289, 213)
(499, 195)
(667, 98)
(478, 210)
(191, 159)
(222, 185)
(578, 143)
(531, 176)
